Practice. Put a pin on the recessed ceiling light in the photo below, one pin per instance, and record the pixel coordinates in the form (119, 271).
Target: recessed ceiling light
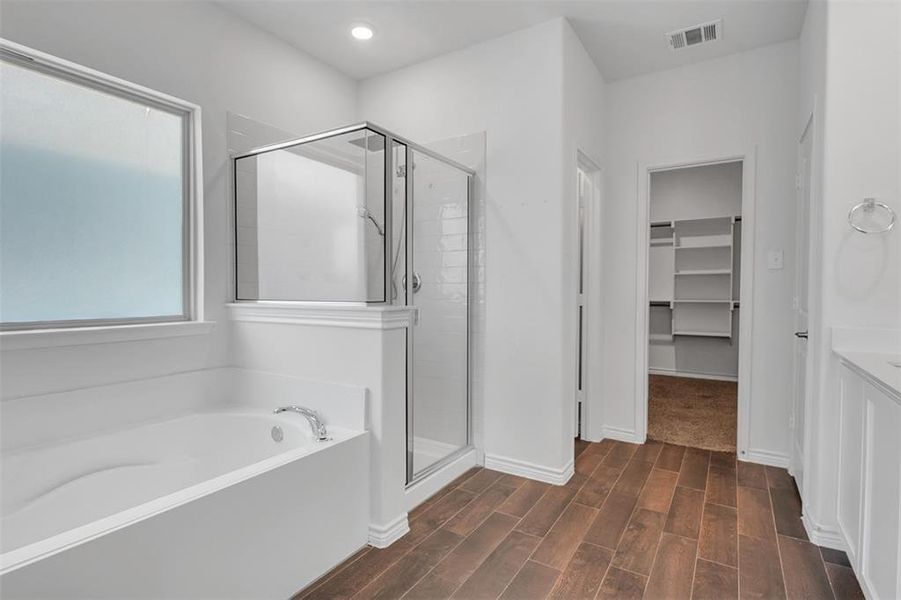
(362, 32)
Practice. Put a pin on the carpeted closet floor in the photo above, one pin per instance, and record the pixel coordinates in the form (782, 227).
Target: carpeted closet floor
(699, 413)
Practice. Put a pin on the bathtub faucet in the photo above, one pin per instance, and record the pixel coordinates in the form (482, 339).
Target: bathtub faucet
(314, 420)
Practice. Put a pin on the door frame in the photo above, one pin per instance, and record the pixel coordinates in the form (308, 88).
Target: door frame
(810, 129)
(588, 356)
(748, 158)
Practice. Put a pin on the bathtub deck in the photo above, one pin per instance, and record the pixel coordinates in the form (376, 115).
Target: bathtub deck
(653, 521)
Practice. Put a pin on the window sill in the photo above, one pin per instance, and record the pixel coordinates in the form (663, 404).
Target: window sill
(110, 334)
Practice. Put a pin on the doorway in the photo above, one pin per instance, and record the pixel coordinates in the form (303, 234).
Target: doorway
(693, 347)
(588, 293)
(801, 304)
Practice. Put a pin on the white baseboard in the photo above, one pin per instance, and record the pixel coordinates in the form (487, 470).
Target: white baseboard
(829, 537)
(764, 457)
(623, 435)
(674, 373)
(382, 536)
(529, 470)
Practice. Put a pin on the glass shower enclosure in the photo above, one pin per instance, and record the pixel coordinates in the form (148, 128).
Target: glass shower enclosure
(336, 218)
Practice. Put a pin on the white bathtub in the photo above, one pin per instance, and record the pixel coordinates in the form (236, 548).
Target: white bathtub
(203, 505)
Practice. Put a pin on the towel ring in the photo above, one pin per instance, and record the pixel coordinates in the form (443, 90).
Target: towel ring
(869, 205)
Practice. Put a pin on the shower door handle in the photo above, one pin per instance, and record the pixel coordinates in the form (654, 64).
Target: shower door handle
(417, 282)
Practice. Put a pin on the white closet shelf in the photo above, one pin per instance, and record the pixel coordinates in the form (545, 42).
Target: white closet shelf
(702, 246)
(702, 301)
(660, 337)
(718, 334)
(719, 218)
(705, 272)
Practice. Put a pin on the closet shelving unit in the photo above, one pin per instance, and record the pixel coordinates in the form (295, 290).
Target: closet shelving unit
(691, 273)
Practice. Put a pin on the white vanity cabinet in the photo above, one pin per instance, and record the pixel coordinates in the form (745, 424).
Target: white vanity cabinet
(869, 475)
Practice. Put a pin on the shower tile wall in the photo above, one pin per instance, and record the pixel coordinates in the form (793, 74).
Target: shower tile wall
(440, 361)
(439, 357)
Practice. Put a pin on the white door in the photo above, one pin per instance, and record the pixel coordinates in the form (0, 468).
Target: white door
(801, 306)
(588, 203)
(583, 189)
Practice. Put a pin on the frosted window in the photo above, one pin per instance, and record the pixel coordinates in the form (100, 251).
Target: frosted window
(91, 203)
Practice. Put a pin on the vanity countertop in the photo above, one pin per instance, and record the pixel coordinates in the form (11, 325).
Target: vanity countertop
(875, 353)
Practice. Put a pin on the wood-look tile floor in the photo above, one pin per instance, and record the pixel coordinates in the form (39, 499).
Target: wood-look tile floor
(636, 521)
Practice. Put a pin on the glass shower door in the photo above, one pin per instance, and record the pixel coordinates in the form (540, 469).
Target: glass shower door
(438, 361)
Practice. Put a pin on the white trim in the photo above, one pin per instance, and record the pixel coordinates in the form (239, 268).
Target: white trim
(824, 536)
(748, 158)
(193, 246)
(592, 300)
(196, 280)
(623, 435)
(862, 365)
(97, 77)
(865, 584)
(765, 457)
(800, 454)
(382, 536)
(324, 315)
(674, 373)
(530, 470)
(109, 334)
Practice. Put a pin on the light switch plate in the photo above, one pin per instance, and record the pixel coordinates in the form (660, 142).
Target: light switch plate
(774, 260)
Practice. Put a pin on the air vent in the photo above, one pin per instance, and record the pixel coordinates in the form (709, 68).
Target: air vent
(696, 35)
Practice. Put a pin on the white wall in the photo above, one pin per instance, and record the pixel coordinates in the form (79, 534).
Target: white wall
(198, 52)
(716, 108)
(815, 492)
(583, 132)
(698, 192)
(862, 281)
(850, 66)
(510, 88)
(367, 355)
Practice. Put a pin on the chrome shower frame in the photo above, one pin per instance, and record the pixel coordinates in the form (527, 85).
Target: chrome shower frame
(410, 147)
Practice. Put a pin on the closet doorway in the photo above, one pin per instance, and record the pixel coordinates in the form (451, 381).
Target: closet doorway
(692, 343)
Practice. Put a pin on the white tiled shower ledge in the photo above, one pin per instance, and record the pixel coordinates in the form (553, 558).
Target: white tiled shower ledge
(325, 314)
(873, 353)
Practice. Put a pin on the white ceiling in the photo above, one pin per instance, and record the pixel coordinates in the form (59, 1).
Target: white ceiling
(625, 38)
